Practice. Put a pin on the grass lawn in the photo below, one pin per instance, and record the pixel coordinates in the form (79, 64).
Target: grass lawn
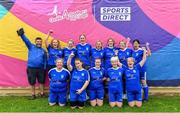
(22, 104)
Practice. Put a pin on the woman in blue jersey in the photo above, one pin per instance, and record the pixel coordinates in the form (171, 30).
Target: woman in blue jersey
(133, 85)
(109, 52)
(54, 51)
(58, 77)
(70, 49)
(83, 51)
(97, 53)
(115, 88)
(96, 88)
(124, 52)
(79, 81)
(137, 54)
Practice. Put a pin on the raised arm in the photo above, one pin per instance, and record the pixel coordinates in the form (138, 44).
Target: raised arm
(144, 57)
(148, 49)
(46, 40)
(119, 63)
(69, 66)
(128, 41)
(20, 33)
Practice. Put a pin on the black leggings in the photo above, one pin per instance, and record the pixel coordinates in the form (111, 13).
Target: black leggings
(76, 103)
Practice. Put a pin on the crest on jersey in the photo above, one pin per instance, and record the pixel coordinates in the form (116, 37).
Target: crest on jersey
(101, 54)
(134, 71)
(82, 74)
(137, 54)
(101, 73)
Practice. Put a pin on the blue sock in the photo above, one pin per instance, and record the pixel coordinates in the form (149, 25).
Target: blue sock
(146, 92)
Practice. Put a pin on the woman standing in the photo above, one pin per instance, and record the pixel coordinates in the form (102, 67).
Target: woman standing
(70, 49)
(109, 52)
(97, 53)
(54, 51)
(83, 51)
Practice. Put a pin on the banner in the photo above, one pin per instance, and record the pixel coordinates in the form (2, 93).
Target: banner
(156, 22)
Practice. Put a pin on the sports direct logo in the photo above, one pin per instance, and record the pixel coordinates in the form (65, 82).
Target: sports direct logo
(56, 15)
(115, 13)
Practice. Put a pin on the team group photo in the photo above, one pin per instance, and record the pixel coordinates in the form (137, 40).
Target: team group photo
(89, 56)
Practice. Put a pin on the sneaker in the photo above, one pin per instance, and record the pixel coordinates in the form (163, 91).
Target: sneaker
(33, 97)
(145, 100)
(42, 95)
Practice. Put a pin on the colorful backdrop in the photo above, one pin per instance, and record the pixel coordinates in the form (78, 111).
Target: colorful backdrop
(153, 21)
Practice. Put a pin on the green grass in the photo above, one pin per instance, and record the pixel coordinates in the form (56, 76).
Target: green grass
(22, 104)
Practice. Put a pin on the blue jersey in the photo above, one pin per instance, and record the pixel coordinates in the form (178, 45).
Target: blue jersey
(137, 55)
(108, 53)
(53, 55)
(36, 55)
(115, 76)
(132, 77)
(123, 55)
(95, 53)
(58, 79)
(96, 77)
(83, 52)
(79, 77)
(67, 52)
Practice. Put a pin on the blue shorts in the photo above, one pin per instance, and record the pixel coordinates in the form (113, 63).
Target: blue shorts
(96, 94)
(115, 96)
(77, 97)
(134, 96)
(60, 97)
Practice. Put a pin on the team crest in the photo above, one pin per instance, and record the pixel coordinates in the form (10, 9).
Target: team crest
(137, 54)
(134, 71)
(62, 76)
(82, 74)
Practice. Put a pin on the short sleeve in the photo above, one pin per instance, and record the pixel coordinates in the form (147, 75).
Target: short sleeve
(87, 76)
(49, 73)
(68, 74)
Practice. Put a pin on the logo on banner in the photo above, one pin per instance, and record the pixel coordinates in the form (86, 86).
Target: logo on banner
(115, 13)
(56, 15)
